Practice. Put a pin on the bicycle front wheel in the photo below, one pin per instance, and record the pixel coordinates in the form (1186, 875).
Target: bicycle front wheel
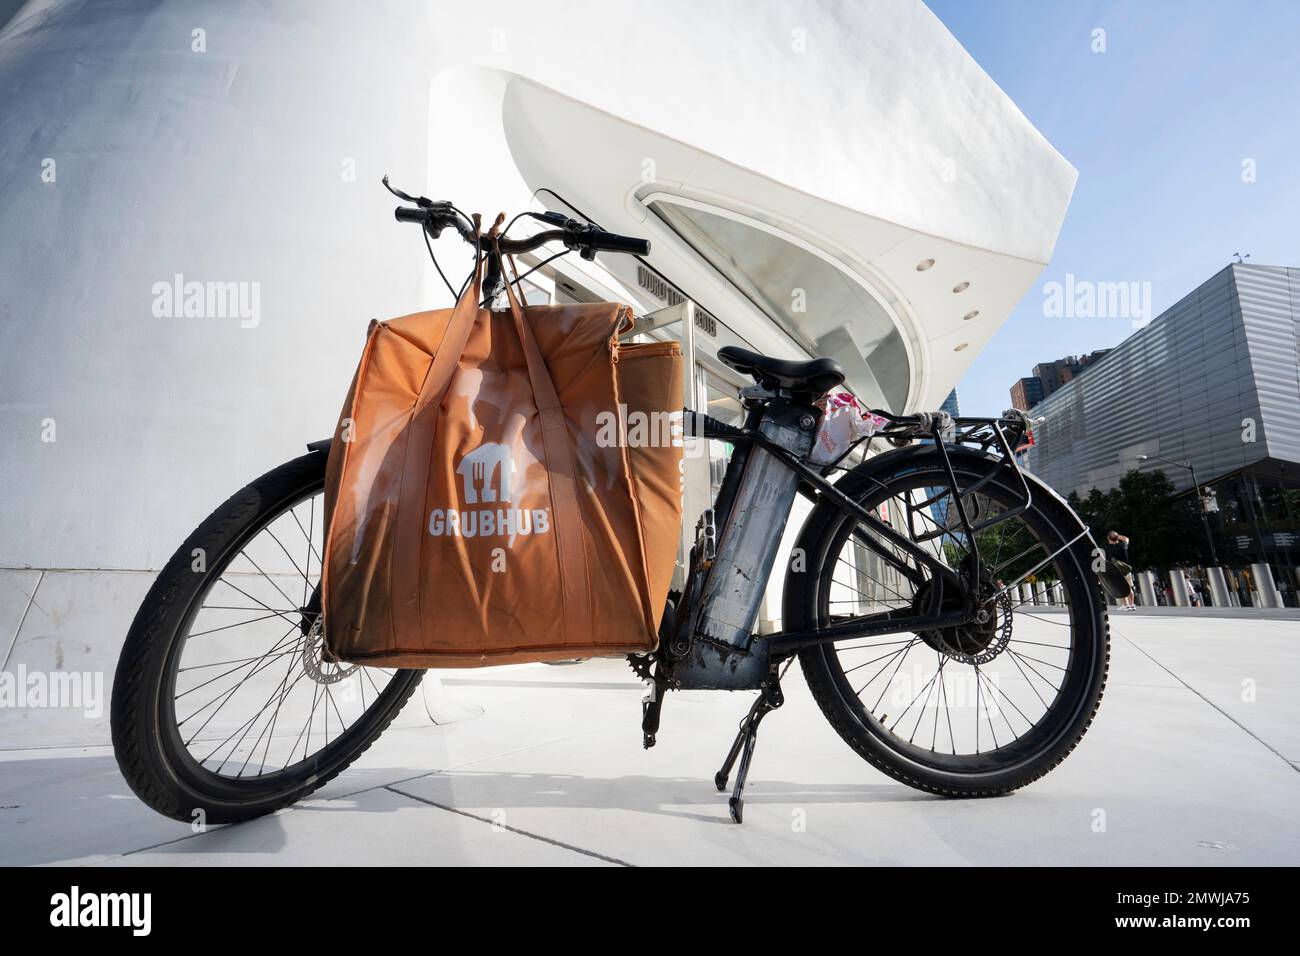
(224, 707)
(974, 710)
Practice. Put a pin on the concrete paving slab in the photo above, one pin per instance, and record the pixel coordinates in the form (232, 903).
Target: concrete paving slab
(17, 585)
(1255, 680)
(398, 831)
(1164, 777)
(73, 632)
(71, 806)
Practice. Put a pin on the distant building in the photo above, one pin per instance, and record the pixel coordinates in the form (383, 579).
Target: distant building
(1026, 393)
(1050, 377)
(1211, 382)
(1063, 371)
(950, 404)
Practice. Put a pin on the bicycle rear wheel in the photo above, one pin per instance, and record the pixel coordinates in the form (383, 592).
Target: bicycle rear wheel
(224, 707)
(976, 710)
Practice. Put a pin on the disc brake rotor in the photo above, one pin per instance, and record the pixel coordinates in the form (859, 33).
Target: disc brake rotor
(965, 643)
(973, 642)
(313, 659)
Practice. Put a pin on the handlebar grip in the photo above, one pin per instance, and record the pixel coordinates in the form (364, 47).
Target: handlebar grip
(609, 242)
(407, 214)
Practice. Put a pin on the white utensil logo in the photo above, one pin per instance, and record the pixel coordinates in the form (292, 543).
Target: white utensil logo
(487, 475)
(478, 468)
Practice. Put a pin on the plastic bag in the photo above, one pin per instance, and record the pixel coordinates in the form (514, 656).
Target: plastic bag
(844, 422)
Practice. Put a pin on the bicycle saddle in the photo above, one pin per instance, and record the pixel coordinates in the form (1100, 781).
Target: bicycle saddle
(816, 375)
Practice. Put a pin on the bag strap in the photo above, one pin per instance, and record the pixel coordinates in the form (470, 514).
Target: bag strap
(562, 474)
(456, 336)
(409, 539)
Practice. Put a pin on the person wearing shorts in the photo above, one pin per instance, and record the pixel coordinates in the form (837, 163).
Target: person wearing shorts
(1117, 558)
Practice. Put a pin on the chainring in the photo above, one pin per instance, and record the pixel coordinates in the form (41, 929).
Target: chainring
(643, 664)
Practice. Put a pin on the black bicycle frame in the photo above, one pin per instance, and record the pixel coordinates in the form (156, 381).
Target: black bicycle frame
(871, 530)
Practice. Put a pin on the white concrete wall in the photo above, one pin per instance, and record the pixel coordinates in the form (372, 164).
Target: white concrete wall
(232, 165)
(129, 156)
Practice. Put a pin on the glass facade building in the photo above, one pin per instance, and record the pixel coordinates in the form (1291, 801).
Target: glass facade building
(1213, 382)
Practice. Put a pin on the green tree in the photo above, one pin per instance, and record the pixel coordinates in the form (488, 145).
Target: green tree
(1165, 531)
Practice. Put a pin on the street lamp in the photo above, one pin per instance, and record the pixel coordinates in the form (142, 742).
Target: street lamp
(1199, 497)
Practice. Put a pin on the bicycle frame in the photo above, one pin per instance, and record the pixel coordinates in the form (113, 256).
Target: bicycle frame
(870, 531)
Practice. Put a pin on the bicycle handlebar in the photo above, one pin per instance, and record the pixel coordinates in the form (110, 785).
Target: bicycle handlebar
(586, 238)
(602, 241)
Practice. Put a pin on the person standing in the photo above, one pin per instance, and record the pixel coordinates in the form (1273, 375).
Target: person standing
(1117, 560)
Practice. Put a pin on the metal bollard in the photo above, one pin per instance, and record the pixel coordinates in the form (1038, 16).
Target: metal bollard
(1179, 588)
(1265, 588)
(1218, 587)
(1146, 581)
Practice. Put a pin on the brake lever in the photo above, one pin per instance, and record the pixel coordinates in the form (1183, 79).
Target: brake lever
(554, 219)
(422, 201)
(576, 229)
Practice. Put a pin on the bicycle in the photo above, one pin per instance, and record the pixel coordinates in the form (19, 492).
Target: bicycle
(925, 549)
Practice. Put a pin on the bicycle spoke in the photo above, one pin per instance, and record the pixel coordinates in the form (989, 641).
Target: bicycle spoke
(265, 575)
(255, 696)
(231, 671)
(995, 687)
(246, 726)
(224, 698)
(269, 730)
(892, 675)
(1015, 656)
(1020, 668)
(1044, 663)
(243, 660)
(264, 617)
(283, 614)
(885, 667)
(292, 561)
(938, 678)
(925, 689)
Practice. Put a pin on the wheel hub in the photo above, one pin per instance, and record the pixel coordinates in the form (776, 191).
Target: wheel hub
(976, 641)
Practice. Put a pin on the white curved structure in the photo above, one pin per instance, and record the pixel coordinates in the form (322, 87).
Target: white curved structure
(861, 135)
(193, 236)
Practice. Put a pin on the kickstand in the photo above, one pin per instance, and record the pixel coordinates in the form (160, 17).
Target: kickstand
(743, 747)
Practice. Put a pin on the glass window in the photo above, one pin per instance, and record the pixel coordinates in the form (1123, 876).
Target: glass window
(825, 310)
(534, 294)
(722, 401)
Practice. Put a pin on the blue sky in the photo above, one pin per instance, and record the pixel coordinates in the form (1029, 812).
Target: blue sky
(1158, 126)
